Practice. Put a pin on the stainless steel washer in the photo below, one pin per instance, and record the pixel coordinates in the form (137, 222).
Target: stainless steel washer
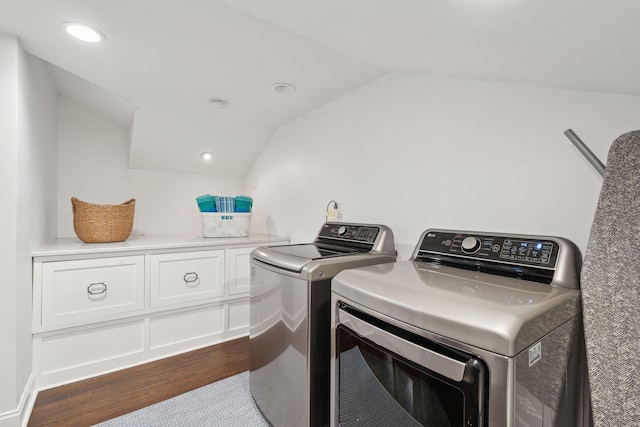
(290, 318)
(476, 329)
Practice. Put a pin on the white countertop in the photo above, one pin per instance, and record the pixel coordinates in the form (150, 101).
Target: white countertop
(74, 246)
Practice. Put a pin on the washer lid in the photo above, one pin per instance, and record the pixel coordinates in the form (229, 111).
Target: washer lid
(295, 257)
(494, 313)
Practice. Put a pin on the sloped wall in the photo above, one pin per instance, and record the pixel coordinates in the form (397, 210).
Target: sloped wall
(417, 152)
(93, 155)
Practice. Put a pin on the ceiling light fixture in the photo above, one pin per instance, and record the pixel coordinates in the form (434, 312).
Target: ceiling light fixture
(283, 87)
(84, 32)
(206, 156)
(218, 103)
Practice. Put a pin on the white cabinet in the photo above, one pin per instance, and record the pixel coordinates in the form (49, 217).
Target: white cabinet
(81, 291)
(99, 311)
(189, 277)
(237, 265)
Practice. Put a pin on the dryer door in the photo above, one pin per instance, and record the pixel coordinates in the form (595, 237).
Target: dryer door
(389, 376)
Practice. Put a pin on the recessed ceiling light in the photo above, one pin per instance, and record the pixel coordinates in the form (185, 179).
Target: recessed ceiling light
(218, 103)
(283, 87)
(84, 32)
(206, 156)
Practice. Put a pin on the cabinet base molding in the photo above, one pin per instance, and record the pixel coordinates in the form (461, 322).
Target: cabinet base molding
(83, 353)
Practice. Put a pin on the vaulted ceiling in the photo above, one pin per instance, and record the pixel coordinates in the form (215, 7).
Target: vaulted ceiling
(164, 60)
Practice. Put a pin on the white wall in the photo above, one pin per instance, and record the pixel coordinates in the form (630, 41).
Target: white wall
(39, 96)
(36, 196)
(93, 156)
(8, 221)
(27, 185)
(416, 152)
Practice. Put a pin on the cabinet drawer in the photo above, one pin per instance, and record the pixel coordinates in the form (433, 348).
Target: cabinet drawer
(237, 270)
(186, 277)
(84, 291)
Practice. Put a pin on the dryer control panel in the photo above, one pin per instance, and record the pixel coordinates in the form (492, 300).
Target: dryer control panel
(528, 257)
(518, 250)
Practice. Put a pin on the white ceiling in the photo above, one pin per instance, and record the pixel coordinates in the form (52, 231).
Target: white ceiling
(580, 44)
(164, 59)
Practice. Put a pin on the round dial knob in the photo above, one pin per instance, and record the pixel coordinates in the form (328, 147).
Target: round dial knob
(342, 230)
(470, 245)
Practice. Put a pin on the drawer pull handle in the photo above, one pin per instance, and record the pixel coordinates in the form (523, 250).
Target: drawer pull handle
(191, 277)
(97, 288)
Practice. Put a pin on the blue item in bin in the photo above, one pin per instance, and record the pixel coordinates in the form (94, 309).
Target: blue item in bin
(206, 203)
(225, 204)
(243, 203)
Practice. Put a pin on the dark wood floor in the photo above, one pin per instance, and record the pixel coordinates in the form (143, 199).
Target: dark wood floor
(98, 399)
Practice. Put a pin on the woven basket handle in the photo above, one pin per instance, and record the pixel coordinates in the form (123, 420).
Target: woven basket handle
(73, 205)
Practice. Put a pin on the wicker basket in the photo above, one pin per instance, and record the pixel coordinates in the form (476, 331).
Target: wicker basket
(102, 223)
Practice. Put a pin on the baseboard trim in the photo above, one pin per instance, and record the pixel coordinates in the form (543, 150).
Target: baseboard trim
(20, 416)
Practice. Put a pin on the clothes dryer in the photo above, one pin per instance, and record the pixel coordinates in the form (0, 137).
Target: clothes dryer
(477, 329)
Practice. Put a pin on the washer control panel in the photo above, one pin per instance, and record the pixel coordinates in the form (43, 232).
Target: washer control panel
(350, 232)
(521, 250)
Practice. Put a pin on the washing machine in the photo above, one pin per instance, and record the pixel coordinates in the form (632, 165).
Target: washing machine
(290, 323)
(476, 329)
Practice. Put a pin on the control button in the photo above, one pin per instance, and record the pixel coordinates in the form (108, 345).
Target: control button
(470, 245)
(447, 242)
(342, 230)
(495, 248)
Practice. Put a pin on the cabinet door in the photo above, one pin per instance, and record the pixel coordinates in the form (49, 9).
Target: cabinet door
(83, 291)
(186, 277)
(237, 270)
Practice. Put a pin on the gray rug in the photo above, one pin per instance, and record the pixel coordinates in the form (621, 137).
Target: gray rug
(224, 403)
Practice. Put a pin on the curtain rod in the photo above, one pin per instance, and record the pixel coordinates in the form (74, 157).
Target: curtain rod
(588, 154)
